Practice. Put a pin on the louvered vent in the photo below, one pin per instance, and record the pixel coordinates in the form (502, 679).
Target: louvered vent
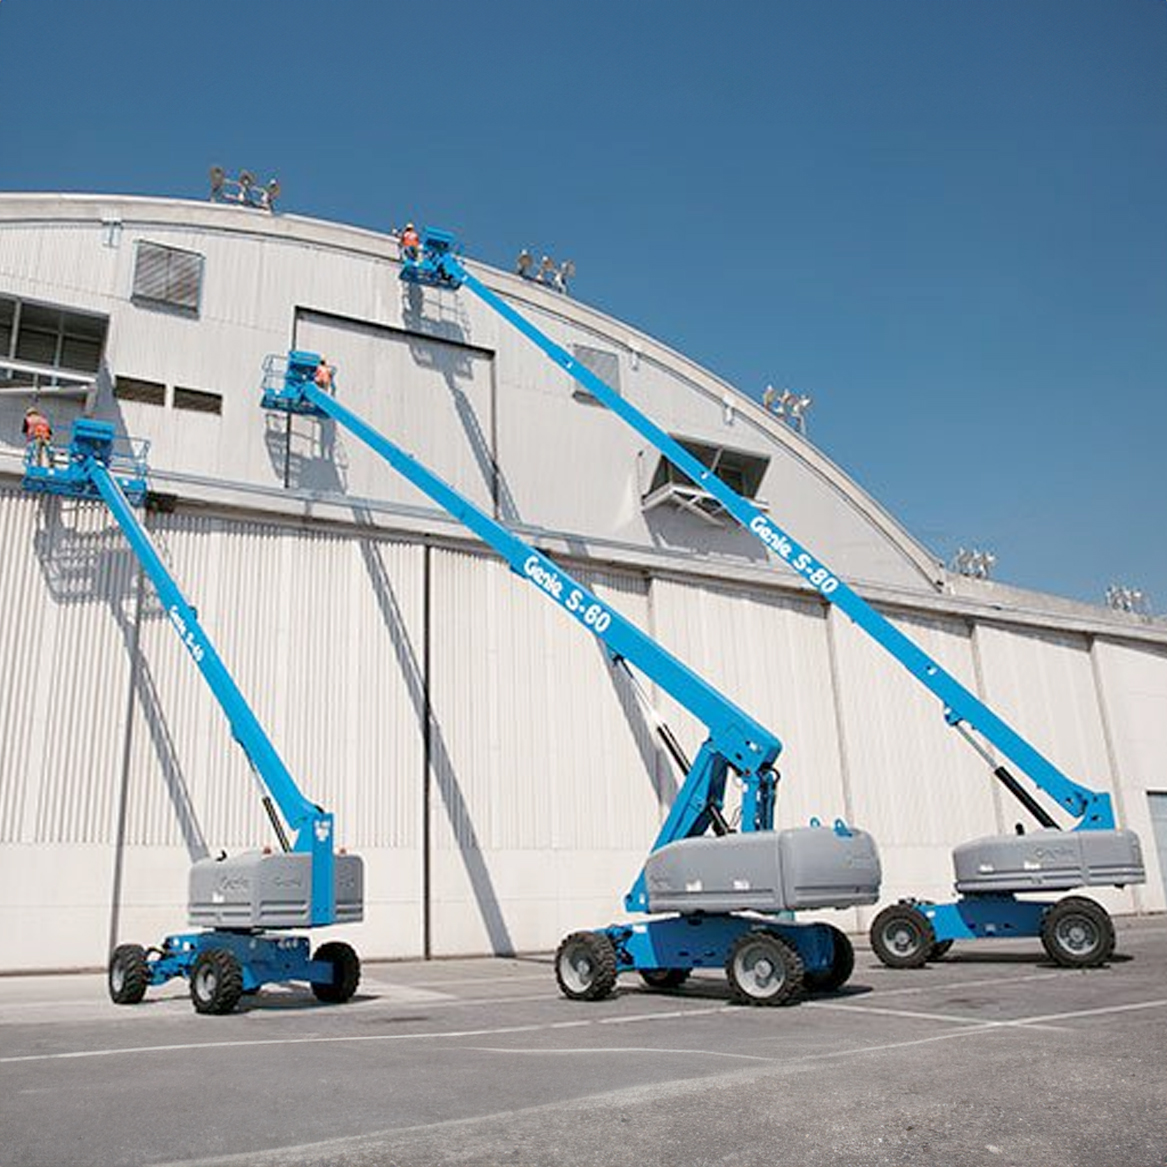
(166, 275)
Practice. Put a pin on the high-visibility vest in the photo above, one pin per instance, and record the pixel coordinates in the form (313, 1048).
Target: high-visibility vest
(39, 429)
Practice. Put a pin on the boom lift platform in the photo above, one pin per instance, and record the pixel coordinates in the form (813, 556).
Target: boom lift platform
(990, 872)
(726, 891)
(240, 901)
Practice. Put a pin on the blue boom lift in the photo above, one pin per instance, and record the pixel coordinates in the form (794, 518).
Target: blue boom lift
(990, 872)
(728, 894)
(239, 900)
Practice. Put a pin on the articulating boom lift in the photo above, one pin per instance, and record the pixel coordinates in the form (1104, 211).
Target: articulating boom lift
(238, 900)
(706, 880)
(990, 872)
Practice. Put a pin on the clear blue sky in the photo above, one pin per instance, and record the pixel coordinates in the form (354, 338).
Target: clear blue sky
(944, 220)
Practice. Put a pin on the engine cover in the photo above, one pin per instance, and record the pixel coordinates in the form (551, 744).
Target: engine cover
(1048, 860)
(258, 890)
(766, 871)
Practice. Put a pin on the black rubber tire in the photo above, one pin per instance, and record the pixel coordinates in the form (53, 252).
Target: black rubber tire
(939, 950)
(664, 978)
(128, 974)
(346, 970)
(585, 966)
(902, 937)
(1078, 933)
(762, 969)
(842, 965)
(216, 981)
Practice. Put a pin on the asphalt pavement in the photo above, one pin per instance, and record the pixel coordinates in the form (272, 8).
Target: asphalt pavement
(993, 1056)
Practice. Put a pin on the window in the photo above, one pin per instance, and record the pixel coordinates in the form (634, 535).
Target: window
(198, 400)
(742, 472)
(167, 276)
(134, 389)
(48, 346)
(604, 364)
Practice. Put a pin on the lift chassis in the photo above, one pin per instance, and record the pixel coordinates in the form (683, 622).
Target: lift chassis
(717, 900)
(990, 872)
(244, 900)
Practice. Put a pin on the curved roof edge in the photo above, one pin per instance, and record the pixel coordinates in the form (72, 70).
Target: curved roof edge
(234, 219)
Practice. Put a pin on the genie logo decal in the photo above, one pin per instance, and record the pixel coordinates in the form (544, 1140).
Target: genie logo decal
(814, 573)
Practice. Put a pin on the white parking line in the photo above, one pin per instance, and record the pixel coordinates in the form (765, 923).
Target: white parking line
(915, 1015)
(968, 1026)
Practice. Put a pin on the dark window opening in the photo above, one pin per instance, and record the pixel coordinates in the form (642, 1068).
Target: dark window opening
(198, 400)
(64, 346)
(742, 472)
(135, 389)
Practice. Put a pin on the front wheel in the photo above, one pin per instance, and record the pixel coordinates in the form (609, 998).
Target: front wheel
(839, 971)
(128, 974)
(346, 972)
(1078, 933)
(902, 937)
(216, 981)
(763, 969)
(585, 966)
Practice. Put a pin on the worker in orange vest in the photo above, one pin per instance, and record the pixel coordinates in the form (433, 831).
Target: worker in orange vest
(39, 436)
(410, 243)
(323, 377)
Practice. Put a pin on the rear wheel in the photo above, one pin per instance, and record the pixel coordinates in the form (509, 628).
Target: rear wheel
(902, 936)
(1078, 933)
(763, 969)
(839, 971)
(128, 974)
(664, 978)
(585, 966)
(216, 981)
(346, 972)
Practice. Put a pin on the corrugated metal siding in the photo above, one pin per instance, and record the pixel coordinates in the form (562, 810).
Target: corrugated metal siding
(318, 630)
(1133, 685)
(915, 781)
(1043, 685)
(769, 655)
(540, 745)
(67, 670)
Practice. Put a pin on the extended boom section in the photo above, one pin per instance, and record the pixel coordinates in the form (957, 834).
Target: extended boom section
(1011, 864)
(304, 885)
(707, 878)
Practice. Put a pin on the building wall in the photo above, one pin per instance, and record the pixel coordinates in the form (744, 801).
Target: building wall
(479, 751)
(519, 803)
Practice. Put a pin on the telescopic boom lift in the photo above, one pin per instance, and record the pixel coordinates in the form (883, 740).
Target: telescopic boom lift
(705, 881)
(990, 872)
(240, 900)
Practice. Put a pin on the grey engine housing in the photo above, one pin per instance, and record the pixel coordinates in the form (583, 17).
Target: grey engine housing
(766, 871)
(1048, 860)
(260, 890)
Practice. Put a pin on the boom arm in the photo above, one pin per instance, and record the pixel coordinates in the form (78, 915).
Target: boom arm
(88, 471)
(440, 265)
(735, 739)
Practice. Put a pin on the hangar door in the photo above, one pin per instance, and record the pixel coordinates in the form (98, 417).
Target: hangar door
(1158, 803)
(433, 396)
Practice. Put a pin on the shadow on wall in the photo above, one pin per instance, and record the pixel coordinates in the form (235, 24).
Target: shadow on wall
(422, 313)
(441, 764)
(312, 457)
(82, 566)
